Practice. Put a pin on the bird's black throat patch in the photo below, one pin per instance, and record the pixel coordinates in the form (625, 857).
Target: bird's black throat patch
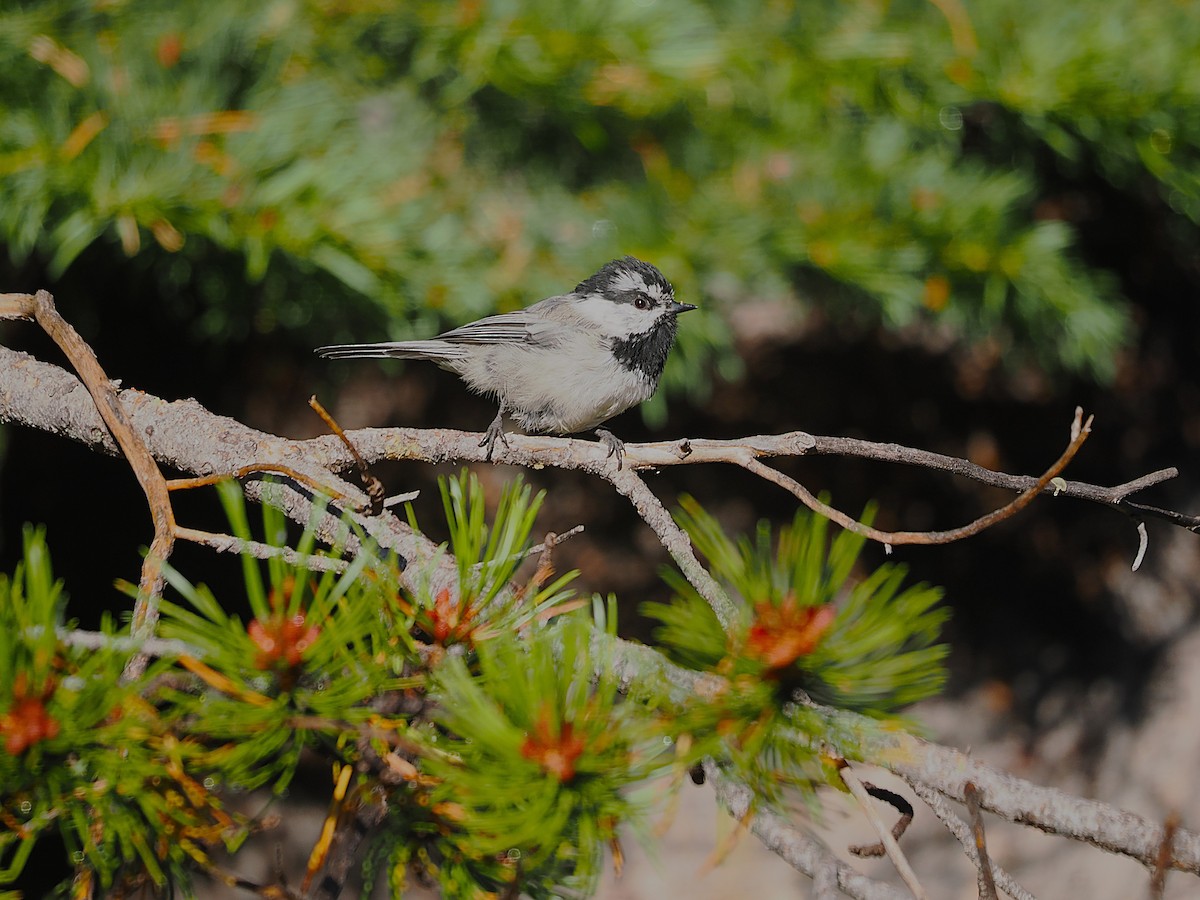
(647, 352)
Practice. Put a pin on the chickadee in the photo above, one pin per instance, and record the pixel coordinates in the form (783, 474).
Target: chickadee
(564, 364)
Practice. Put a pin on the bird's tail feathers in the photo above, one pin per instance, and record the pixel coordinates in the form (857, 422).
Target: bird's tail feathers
(394, 349)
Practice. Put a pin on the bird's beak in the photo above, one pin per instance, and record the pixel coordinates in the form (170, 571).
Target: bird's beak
(677, 308)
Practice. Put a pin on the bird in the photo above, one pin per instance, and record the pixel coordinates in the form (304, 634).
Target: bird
(562, 365)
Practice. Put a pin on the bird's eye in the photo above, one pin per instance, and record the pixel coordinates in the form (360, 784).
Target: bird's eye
(641, 303)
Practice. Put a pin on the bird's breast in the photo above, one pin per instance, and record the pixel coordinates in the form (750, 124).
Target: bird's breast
(581, 400)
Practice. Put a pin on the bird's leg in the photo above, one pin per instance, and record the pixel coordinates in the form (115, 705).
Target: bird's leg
(616, 446)
(494, 432)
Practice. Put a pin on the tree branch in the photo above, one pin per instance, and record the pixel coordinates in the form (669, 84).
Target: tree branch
(187, 437)
(798, 849)
(184, 435)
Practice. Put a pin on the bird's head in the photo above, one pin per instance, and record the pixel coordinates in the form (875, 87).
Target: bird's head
(638, 298)
(635, 307)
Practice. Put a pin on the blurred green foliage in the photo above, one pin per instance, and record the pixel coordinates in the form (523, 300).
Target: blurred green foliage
(445, 159)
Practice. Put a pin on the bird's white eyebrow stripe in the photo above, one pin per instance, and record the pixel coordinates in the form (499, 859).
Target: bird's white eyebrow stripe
(633, 281)
(625, 281)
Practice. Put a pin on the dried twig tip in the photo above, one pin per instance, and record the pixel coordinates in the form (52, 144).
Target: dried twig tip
(1143, 543)
(372, 485)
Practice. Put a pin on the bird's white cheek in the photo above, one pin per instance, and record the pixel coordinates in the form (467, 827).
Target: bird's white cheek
(611, 318)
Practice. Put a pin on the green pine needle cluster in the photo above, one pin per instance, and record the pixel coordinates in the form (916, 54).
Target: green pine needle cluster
(487, 558)
(810, 631)
(536, 748)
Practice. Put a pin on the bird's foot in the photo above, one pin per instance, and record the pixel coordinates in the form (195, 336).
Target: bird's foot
(495, 432)
(616, 446)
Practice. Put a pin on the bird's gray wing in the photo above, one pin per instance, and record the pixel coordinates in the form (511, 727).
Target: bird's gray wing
(536, 324)
(505, 328)
(546, 323)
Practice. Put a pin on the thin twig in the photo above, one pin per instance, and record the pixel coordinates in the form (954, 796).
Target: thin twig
(1158, 877)
(1143, 543)
(1080, 434)
(895, 854)
(987, 884)
(545, 564)
(553, 540)
(660, 454)
(227, 543)
(265, 468)
(925, 459)
(374, 487)
(397, 499)
(556, 539)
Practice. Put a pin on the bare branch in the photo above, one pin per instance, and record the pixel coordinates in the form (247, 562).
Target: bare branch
(966, 837)
(187, 437)
(800, 850)
(182, 435)
(1079, 434)
(898, 803)
(374, 487)
(630, 485)
(1045, 808)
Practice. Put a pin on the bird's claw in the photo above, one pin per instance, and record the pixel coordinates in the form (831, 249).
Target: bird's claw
(494, 432)
(616, 446)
